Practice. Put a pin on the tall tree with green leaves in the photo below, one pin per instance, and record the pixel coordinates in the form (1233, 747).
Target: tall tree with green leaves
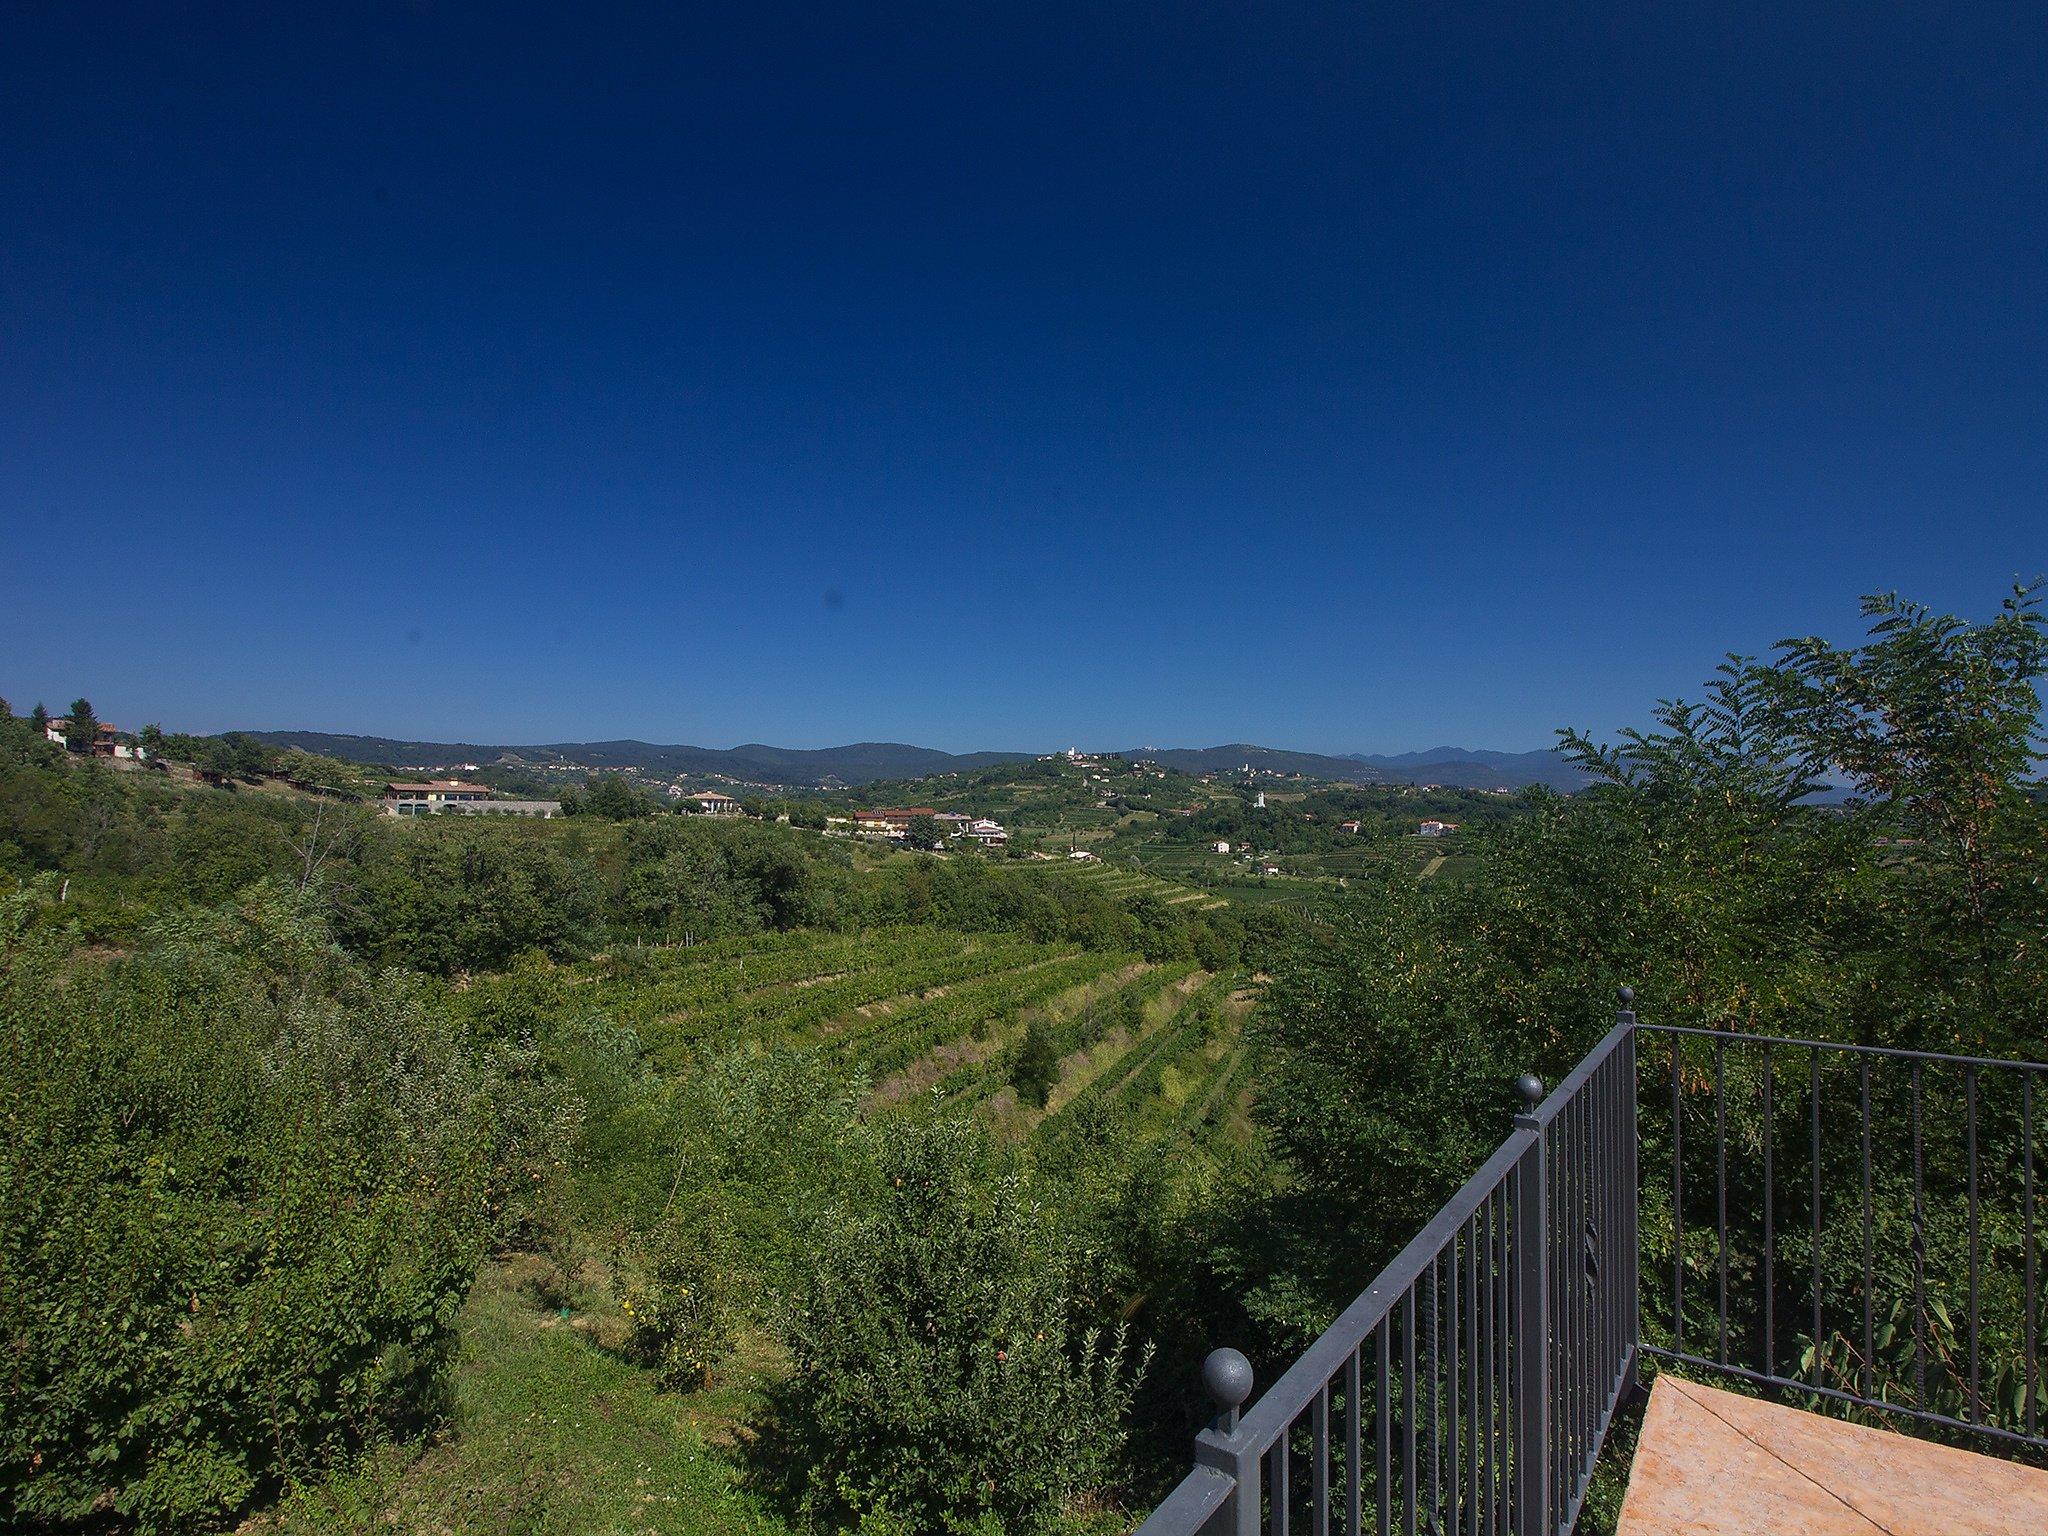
(84, 729)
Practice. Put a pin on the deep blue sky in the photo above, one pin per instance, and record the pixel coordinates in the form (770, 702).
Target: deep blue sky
(1346, 377)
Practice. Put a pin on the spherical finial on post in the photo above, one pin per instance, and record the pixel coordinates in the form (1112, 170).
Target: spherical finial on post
(1529, 1089)
(1628, 998)
(1227, 1378)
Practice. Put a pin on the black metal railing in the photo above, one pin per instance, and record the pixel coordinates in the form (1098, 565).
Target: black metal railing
(1469, 1390)
(1848, 1223)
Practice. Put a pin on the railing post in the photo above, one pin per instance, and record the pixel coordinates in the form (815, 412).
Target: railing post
(1227, 1378)
(1628, 1243)
(1530, 1510)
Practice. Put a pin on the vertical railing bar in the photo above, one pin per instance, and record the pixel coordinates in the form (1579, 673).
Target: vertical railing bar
(1283, 1483)
(1564, 1226)
(1496, 1353)
(1452, 1423)
(1970, 1132)
(1354, 1446)
(1721, 1187)
(1582, 1164)
(1436, 1389)
(1869, 1253)
(1612, 1270)
(1560, 1316)
(2033, 1372)
(1533, 1443)
(1919, 1254)
(1319, 1472)
(1383, 1424)
(1813, 1095)
(1770, 1231)
(1582, 1216)
(1408, 1410)
(1677, 1203)
(1472, 1404)
(1558, 1451)
(1632, 1198)
(1511, 1349)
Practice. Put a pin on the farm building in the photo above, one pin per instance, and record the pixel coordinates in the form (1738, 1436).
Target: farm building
(424, 797)
(889, 823)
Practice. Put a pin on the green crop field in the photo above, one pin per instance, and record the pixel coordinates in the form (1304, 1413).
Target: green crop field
(916, 1016)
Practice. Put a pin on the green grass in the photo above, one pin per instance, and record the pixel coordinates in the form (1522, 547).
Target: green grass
(551, 1435)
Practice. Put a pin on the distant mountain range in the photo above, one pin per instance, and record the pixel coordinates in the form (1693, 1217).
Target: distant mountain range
(866, 761)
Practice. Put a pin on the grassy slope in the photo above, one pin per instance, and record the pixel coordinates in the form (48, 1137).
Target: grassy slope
(550, 1435)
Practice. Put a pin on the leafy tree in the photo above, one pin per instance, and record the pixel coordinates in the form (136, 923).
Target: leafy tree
(466, 897)
(243, 1187)
(1037, 1066)
(941, 1369)
(610, 796)
(152, 739)
(923, 832)
(39, 718)
(84, 729)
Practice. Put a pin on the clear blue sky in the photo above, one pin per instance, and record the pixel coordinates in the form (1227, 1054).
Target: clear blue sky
(1344, 377)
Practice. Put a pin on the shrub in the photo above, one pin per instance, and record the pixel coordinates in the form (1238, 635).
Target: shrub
(1037, 1067)
(943, 1375)
(243, 1188)
(682, 1294)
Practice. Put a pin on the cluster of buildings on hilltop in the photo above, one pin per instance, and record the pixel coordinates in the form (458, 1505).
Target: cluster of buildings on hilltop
(895, 825)
(106, 742)
(1436, 829)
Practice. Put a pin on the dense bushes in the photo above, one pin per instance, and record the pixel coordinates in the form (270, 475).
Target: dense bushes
(1704, 871)
(469, 898)
(944, 1375)
(243, 1187)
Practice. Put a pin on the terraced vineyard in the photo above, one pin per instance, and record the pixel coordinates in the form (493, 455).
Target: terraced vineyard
(1123, 880)
(922, 1016)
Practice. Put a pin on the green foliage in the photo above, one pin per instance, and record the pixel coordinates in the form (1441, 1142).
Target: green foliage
(85, 726)
(610, 796)
(942, 1372)
(1037, 1064)
(243, 1187)
(467, 896)
(1702, 870)
(682, 1292)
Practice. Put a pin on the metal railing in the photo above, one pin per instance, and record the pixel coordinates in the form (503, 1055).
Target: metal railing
(1468, 1391)
(1872, 1243)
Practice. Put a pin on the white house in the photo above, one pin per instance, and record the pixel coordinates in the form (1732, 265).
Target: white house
(711, 803)
(990, 834)
(1221, 846)
(1437, 828)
